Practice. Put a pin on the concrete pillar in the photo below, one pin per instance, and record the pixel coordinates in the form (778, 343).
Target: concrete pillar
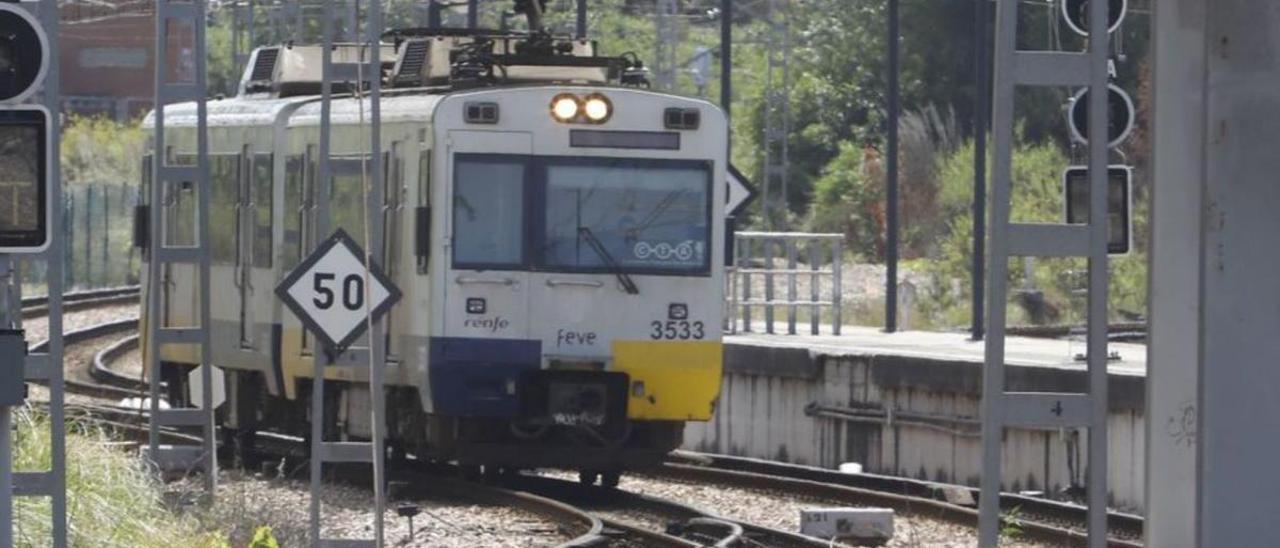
(1218, 122)
(1174, 350)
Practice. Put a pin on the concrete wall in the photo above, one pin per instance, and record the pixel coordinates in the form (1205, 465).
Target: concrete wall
(933, 432)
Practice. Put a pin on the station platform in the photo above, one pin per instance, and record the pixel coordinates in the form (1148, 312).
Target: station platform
(909, 404)
(939, 346)
(936, 361)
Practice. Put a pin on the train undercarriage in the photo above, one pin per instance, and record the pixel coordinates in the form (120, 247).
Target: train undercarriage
(476, 445)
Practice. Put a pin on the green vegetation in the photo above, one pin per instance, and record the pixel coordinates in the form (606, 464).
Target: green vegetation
(1011, 525)
(100, 150)
(838, 128)
(115, 501)
(112, 500)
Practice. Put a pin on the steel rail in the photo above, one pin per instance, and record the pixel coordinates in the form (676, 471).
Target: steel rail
(101, 371)
(735, 532)
(80, 300)
(88, 333)
(1051, 521)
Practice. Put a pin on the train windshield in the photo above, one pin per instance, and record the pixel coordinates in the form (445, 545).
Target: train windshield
(629, 215)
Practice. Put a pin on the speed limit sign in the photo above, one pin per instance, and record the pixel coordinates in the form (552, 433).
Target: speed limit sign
(333, 294)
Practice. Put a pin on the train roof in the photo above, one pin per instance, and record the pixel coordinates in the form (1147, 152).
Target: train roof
(234, 111)
(396, 107)
(239, 111)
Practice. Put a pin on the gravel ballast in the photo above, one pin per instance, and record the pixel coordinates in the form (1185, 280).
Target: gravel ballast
(782, 511)
(246, 502)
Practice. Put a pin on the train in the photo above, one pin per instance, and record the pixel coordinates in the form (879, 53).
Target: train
(556, 228)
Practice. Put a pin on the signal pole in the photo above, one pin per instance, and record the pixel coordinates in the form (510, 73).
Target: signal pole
(891, 196)
(982, 117)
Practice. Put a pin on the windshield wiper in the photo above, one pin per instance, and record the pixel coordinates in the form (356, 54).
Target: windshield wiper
(628, 284)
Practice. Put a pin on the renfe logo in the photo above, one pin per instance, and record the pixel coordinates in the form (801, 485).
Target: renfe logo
(492, 325)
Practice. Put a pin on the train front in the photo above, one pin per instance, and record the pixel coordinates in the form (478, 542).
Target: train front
(579, 274)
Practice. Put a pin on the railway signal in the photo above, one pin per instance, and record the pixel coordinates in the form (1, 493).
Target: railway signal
(1120, 116)
(1075, 186)
(25, 146)
(1076, 14)
(29, 185)
(328, 290)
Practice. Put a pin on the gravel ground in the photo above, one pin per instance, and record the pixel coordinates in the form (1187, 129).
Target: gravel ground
(129, 363)
(246, 502)
(782, 511)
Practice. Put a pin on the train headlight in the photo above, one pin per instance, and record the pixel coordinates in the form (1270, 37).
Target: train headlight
(598, 108)
(564, 107)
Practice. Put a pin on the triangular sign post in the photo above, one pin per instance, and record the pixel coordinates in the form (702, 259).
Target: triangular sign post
(741, 192)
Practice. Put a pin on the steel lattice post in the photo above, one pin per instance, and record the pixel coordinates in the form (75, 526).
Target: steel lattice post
(1001, 409)
(172, 15)
(369, 59)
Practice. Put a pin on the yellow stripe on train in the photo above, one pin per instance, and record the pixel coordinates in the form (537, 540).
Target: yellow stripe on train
(670, 380)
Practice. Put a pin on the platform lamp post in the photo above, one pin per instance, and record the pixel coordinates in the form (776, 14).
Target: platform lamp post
(891, 194)
(726, 56)
(981, 122)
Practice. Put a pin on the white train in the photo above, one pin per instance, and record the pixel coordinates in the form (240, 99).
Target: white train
(558, 237)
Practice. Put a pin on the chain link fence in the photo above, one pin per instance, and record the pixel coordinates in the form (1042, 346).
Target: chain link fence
(97, 224)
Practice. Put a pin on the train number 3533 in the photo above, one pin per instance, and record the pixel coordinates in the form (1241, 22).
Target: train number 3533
(677, 329)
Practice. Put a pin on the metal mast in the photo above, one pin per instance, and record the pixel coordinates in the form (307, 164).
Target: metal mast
(1044, 410)
(167, 181)
(668, 33)
(777, 119)
(367, 66)
(243, 33)
(44, 363)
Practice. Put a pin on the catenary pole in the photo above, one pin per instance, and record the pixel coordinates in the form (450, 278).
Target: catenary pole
(726, 55)
(982, 118)
(891, 205)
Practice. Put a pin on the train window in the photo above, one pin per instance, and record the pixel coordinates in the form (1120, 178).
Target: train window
(346, 199)
(422, 217)
(391, 196)
(645, 216)
(141, 213)
(263, 171)
(290, 247)
(180, 208)
(224, 181)
(488, 212)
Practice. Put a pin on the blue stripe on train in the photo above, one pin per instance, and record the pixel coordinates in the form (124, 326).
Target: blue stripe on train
(471, 377)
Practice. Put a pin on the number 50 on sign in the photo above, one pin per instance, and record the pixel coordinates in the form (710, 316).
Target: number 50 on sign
(328, 291)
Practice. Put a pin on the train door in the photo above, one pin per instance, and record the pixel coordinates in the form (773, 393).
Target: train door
(487, 282)
(253, 246)
(307, 238)
(392, 212)
(179, 299)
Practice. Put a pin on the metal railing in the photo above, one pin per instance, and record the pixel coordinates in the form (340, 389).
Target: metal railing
(772, 255)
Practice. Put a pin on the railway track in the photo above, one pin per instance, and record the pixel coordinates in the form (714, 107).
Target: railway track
(37, 306)
(1042, 520)
(593, 516)
(81, 300)
(643, 520)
